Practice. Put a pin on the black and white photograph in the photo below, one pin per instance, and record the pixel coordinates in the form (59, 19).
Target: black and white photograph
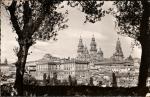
(75, 48)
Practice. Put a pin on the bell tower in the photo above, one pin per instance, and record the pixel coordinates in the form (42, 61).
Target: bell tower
(118, 55)
(100, 55)
(80, 47)
(93, 49)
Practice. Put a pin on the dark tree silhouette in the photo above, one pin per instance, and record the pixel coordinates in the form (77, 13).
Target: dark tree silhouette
(48, 79)
(91, 82)
(100, 83)
(32, 20)
(114, 80)
(44, 79)
(55, 81)
(70, 80)
(74, 81)
(64, 82)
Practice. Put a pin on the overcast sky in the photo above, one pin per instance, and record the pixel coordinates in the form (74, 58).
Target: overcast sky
(66, 45)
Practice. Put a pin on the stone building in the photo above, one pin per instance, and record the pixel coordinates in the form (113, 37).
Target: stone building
(92, 56)
(82, 71)
(47, 65)
(91, 63)
(101, 68)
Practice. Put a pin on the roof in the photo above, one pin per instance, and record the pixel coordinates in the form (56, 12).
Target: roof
(81, 62)
(110, 62)
(53, 63)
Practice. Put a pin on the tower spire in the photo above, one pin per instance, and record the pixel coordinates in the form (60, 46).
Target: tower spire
(118, 55)
(93, 45)
(100, 55)
(80, 46)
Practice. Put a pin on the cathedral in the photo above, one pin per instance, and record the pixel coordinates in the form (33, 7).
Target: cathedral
(96, 55)
(101, 69)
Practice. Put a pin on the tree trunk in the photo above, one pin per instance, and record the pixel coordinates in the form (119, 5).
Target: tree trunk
(20, 68)
(144, 65)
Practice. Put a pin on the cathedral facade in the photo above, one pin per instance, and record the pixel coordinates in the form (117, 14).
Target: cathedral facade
(96, 55)
(101, 69)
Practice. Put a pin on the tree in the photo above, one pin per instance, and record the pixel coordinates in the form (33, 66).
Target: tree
(55, 81)
(33, 20)
(100, 83)
(70, 80)
(132, 20)
(74, 81)
(48, 79)
(92, 9)
(29, 80)
(65, 82)
(114, 80)
(44, 79)
(91, 81)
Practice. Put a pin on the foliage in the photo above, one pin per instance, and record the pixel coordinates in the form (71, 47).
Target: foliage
(74, 82)
(92, 9)
(48, 79)
(100, 83)
(55, 78)
(33, 20)
(7, 90)
(128, 18)
(65, 82)
(37, 19)
(29, 80)
(44, 79)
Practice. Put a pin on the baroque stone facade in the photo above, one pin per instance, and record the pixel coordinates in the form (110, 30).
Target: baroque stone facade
(101, 68)
(91, 63)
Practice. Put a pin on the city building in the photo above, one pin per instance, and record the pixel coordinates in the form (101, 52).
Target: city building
(47, 65)
(82, 71)
(92, 56)
(88, 63)
(4, 68)
(101, 68)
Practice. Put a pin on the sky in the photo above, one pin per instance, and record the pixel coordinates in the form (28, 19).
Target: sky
(104, 32)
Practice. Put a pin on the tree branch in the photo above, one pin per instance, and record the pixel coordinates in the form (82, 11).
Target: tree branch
(144, 24)
(12, 9)
(39, 20)
(27, 14)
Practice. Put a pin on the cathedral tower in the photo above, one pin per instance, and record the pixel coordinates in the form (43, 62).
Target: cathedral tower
(118, 55)
(100, 56)
(93, 49)
(80, 47)
(86, 53)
